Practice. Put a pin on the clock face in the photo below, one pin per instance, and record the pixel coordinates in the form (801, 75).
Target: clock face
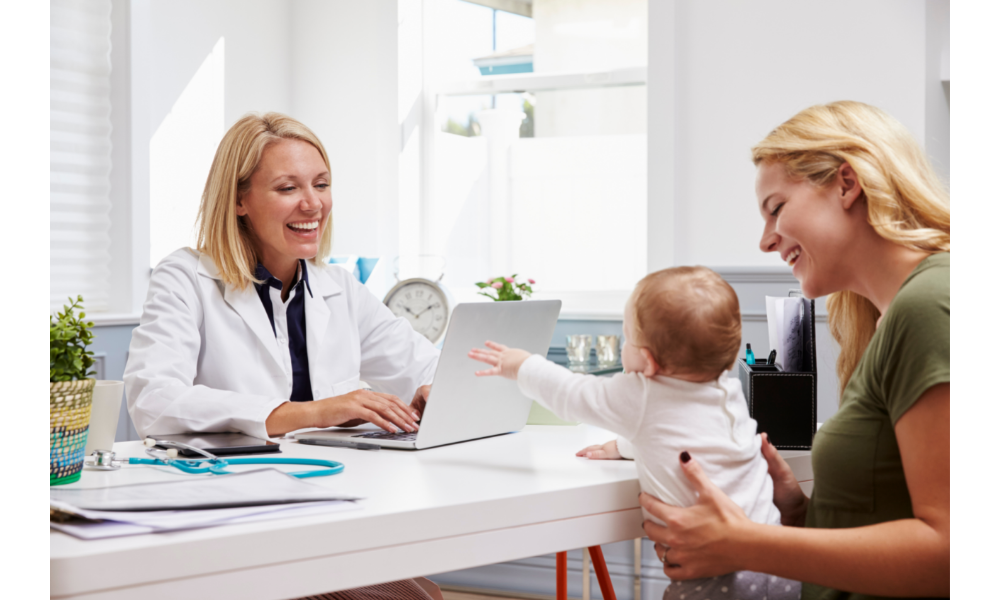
(423, 304)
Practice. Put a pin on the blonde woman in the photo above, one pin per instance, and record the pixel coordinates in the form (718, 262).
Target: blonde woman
(254, 332)
(850, 201)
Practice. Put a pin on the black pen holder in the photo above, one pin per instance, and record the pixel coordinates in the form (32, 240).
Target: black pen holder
(784, 403)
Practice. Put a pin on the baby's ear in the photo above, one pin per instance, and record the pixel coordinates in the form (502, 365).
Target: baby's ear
(652, 368)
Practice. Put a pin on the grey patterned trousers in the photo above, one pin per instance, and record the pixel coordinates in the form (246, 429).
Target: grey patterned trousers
(742, 585)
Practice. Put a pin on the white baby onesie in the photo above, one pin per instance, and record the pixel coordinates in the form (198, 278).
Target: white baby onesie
(662, 417)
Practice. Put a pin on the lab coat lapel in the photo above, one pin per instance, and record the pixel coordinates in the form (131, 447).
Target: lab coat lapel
(319, 347)
(247, 304)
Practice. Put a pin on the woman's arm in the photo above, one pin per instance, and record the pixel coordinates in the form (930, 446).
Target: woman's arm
(360, 406)
(908, 557)
(162, 365)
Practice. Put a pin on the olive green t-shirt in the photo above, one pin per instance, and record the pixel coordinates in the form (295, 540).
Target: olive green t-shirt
(857, 470)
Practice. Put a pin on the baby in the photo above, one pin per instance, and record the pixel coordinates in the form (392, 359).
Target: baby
(682, 334)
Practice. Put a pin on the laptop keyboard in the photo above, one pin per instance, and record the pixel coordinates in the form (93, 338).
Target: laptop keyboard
(402, 436)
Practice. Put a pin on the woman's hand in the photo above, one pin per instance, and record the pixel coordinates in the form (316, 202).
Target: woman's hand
(606, 451)
(697, 541)
(357, 407)
(419, 402)
(788, 496)
(506, 361)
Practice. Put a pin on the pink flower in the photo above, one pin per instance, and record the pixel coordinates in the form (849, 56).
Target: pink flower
(509, 279)
(497, 285)
(531, 281)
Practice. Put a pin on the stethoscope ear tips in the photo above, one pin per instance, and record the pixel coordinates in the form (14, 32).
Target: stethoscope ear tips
(149, 442)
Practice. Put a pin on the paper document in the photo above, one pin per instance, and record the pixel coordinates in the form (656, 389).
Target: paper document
(252, 488)
(121, 523)
(785, 332)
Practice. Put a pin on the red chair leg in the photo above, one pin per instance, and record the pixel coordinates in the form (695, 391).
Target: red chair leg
(601, 570)
(561, 576)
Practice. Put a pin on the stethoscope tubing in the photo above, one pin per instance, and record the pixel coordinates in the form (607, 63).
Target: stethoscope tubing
(218, 466)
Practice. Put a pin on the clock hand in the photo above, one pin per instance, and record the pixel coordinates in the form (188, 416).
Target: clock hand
(423, 311)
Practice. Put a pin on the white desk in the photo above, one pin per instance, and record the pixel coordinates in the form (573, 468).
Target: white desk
(426, 512)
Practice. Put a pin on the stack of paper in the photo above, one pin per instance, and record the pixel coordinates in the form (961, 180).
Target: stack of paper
(192, 503)
(785, 331)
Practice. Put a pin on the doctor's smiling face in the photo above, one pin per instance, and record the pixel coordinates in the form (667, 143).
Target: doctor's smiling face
(287, 204)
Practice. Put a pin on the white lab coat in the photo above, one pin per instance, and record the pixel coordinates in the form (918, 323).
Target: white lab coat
(204, 356)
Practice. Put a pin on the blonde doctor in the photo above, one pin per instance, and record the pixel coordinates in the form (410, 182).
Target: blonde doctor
(253, 332)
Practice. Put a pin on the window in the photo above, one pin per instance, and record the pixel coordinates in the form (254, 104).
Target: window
(80, 153)
(538, 162)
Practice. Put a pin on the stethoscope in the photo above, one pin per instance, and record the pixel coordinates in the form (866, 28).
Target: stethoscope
(105, 460)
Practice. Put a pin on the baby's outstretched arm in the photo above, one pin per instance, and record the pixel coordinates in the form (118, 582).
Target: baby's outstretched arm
(505, 361)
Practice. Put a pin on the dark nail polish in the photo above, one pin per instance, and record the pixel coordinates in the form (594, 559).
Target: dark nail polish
(685, 456)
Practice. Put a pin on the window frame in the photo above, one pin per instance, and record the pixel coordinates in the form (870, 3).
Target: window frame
(605, 305)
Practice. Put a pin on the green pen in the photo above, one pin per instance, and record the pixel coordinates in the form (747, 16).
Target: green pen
(750, 358)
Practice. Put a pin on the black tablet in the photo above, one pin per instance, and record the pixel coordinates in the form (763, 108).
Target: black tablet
(220, 444)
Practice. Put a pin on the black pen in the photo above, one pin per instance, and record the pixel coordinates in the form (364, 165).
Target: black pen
(772, 356)
(342, 444)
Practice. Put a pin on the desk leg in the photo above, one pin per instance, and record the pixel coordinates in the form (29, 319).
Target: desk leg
(561, 576)
(601, 570)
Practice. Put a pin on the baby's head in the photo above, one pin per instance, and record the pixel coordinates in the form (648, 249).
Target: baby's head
(682, 322)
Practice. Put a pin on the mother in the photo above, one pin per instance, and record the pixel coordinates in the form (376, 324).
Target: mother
(253, 332)
(850, 201)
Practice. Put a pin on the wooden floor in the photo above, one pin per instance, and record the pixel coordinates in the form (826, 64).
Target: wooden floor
(490, 595)
(466, 596)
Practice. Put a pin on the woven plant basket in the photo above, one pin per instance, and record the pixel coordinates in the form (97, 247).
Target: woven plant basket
(69, 420)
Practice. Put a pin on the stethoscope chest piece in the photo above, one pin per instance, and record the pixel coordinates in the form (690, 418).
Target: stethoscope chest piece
(102, 460)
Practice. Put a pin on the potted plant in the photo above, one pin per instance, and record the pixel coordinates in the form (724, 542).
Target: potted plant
(70, 391)
(503, 289)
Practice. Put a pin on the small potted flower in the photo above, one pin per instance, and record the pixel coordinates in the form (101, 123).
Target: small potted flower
(70, 391)
(503, 289)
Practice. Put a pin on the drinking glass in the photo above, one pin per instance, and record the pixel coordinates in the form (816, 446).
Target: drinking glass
(608, 350)
(578, 350)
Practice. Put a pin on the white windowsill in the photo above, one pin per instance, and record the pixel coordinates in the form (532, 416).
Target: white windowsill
(111, 319)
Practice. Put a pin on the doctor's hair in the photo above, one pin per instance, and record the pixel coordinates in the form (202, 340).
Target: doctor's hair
(907, 202)
(223, 235)
(689, 320)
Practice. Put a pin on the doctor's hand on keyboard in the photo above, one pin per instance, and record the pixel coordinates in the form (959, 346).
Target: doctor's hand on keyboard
(354, 408)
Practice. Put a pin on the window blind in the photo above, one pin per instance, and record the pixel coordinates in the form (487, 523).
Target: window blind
(80, 152)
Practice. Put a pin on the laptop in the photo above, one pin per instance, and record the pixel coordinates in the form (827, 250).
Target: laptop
(464, 407)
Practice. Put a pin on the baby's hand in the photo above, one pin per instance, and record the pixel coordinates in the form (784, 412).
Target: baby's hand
(506, 361)
(608, 451)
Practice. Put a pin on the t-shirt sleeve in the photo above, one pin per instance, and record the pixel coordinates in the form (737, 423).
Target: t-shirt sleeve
(920, 330)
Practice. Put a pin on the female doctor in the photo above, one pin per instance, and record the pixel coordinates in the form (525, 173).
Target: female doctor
(241, 334)
(253, 332)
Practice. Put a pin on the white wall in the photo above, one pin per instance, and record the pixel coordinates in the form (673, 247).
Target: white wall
(938, 109)
(336, 60)
(343, 86)
(590, 35)
(730, 71)
(202, 65)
